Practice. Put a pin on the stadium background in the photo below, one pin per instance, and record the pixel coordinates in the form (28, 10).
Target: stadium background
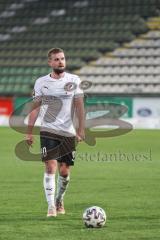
(115, 44)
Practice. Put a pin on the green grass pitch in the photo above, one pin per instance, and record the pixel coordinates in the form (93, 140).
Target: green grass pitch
(128, 190)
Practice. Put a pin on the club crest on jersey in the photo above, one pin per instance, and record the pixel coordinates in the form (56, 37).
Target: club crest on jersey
(70, 86)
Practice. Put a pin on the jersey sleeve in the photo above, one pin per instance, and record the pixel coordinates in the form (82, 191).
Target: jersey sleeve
(37, 94)
(78, 92)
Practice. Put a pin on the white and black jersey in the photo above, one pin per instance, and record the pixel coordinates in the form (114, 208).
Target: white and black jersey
(56, 96)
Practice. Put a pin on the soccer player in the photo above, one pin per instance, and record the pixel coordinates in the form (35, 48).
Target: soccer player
(57, 98)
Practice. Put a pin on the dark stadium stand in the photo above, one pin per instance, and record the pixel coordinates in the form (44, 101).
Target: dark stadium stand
(85, 29)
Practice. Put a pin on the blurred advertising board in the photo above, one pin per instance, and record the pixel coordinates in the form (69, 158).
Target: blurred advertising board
(6, 106)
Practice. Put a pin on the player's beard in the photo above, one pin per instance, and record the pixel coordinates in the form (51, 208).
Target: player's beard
(59, 70)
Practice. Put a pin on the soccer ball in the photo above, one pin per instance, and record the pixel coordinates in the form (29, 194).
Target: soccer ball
(94, 217)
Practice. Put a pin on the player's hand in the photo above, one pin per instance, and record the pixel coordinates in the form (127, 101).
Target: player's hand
(29, 139)
(80, 136)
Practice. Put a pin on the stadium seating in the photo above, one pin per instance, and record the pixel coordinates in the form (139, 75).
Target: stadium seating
(87, 30)
(135, 67)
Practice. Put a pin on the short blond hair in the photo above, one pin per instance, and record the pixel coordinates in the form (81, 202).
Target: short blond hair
(54, 51)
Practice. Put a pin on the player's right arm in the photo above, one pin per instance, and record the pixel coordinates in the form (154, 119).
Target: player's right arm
(35, 108)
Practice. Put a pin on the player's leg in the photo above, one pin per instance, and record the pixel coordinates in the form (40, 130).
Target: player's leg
(49, 151)
(50, 186)
(66, 160)
(62, 184)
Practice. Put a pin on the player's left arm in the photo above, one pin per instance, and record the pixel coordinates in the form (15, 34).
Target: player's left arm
(80, 114)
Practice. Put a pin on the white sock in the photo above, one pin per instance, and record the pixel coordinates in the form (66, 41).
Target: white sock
(49, 188)
(62, 183)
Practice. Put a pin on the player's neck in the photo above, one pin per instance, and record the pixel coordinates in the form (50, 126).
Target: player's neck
(56, 75)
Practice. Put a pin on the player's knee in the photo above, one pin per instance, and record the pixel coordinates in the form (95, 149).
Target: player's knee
(50, 167)
(64, 172)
